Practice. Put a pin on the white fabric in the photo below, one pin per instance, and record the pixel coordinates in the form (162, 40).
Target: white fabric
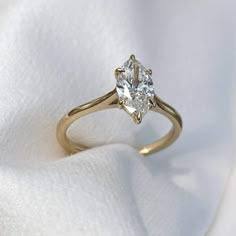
(57, 54)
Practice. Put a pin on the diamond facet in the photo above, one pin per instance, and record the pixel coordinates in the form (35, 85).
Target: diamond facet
(134, 87)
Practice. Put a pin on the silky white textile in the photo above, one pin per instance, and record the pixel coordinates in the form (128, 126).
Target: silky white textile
(55, 55)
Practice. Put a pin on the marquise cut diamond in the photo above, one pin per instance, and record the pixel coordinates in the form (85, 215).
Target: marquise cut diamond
(135, 87)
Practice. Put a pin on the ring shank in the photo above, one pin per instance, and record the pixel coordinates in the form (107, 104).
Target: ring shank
(110, 100)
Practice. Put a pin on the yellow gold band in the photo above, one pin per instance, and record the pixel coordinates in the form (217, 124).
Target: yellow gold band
(111, 100)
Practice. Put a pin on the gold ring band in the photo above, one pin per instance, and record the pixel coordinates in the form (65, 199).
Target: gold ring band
(112, 100)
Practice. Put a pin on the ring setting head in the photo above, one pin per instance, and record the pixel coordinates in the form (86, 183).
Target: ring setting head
(135, 89)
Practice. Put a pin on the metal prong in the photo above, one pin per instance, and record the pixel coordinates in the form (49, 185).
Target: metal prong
(148, 71)
(152, 102)
(118, 71)
(137, 117)
(120, 104)
(132, 57)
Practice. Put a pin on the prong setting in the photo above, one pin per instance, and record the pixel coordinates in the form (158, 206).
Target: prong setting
(118, 71)
(148, 72)
(152, 103)
(137, 117)
(132, 57)
(120, 104)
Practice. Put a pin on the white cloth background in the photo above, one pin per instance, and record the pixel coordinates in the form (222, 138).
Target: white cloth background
(57, 54)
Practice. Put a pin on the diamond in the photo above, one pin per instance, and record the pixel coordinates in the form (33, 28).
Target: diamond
(134, 87)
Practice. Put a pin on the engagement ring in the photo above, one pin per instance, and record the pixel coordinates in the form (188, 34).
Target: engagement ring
(134, 93)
